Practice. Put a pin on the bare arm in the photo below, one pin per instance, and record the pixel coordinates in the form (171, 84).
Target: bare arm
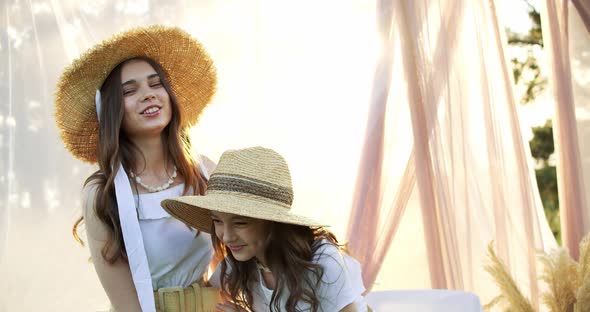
(349, 308)
(115, 278)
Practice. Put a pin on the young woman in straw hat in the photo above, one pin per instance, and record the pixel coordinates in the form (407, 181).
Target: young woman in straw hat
(126, 105)
(275, 260)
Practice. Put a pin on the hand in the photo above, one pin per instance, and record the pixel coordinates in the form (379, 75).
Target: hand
(228, 307)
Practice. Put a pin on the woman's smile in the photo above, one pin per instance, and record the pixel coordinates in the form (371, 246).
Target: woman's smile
(151, 111)
(236, 248)
(146, 101)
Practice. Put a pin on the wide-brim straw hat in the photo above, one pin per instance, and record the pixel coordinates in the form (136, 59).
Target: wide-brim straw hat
(188, 67)
(253, 182)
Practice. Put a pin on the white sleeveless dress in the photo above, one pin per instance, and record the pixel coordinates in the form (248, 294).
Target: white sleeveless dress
(177, 255)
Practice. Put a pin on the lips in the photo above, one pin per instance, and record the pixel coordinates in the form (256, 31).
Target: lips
(236, 248)
(151, 110)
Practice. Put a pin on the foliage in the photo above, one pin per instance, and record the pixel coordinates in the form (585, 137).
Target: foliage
(547, 183)
(528, 69)
(542, 148)
(535, 35)
(528, 72)
(542, 143)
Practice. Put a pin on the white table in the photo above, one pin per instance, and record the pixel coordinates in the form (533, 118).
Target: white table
(427, 300)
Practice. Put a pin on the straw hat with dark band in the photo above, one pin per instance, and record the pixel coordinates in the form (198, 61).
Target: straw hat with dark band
(253, 182)
(187, 65)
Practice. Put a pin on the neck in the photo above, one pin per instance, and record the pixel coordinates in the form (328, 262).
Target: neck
(267, 276)
(153, 155)
(261, 262)
(260, 259)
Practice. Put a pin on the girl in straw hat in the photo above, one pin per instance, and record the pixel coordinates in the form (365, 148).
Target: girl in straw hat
(126, 104)
(275, 260)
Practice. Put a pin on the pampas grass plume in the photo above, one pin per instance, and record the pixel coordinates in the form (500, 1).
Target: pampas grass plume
(560, 273)
(511, 296)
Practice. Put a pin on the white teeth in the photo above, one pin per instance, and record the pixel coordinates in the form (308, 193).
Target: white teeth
(151, 110)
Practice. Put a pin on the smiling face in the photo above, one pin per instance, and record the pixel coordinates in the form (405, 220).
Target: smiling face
(147, 103)
(246, 238)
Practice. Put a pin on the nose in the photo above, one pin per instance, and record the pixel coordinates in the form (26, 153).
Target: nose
(148, 95)
(228, 234)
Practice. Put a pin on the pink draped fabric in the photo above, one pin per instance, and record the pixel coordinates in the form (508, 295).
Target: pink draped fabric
(579, 44)
(583, 8)
(575, 219)
(450, 91)
(368, 186)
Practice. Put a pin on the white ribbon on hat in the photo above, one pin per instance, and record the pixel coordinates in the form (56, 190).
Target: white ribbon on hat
(138, 264)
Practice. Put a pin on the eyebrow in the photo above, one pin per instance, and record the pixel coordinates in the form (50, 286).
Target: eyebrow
(132, 81)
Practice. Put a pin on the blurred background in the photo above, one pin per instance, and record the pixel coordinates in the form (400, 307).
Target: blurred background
(293, 76)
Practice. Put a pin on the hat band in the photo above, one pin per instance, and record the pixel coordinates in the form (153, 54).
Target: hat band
(242, 184)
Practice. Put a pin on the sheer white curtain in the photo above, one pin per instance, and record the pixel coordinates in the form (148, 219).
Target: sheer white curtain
(446, 173)
(443, 122)
(570, 119)
(579, 44)
(293, 76)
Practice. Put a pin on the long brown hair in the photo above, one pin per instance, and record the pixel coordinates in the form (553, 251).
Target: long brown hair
(115, 149)
(290, 252)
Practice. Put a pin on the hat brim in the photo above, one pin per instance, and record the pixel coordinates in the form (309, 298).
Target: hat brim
(187, 65)
(195, 211)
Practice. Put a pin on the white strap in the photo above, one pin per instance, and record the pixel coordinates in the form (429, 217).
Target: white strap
(138, 264)
(97, 102)
(140, 270)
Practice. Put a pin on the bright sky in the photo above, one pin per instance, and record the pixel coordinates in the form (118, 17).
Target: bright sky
(304, 96)
(514, 14)
(295, 101)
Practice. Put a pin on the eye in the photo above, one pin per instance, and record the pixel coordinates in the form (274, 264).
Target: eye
(128, 91)
(216, 221)
(156, 84)
(241, 223)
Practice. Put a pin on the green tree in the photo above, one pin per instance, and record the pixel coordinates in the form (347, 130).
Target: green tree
(542, 148)
(542, 143)
(527, 71)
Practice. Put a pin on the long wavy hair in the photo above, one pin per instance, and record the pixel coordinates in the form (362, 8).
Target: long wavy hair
(115, 148)
(290, 252)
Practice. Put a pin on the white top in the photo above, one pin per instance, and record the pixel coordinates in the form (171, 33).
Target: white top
(175, 256)
(341, 283)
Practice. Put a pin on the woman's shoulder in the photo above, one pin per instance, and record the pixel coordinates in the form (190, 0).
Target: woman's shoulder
(95, 228)
(93, 185)
(341, 280)
(206, 164)
(324, 248)
(89, 192)
(333, 260)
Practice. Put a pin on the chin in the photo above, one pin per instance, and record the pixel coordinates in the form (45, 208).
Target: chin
(156, 128)
(242, 258)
